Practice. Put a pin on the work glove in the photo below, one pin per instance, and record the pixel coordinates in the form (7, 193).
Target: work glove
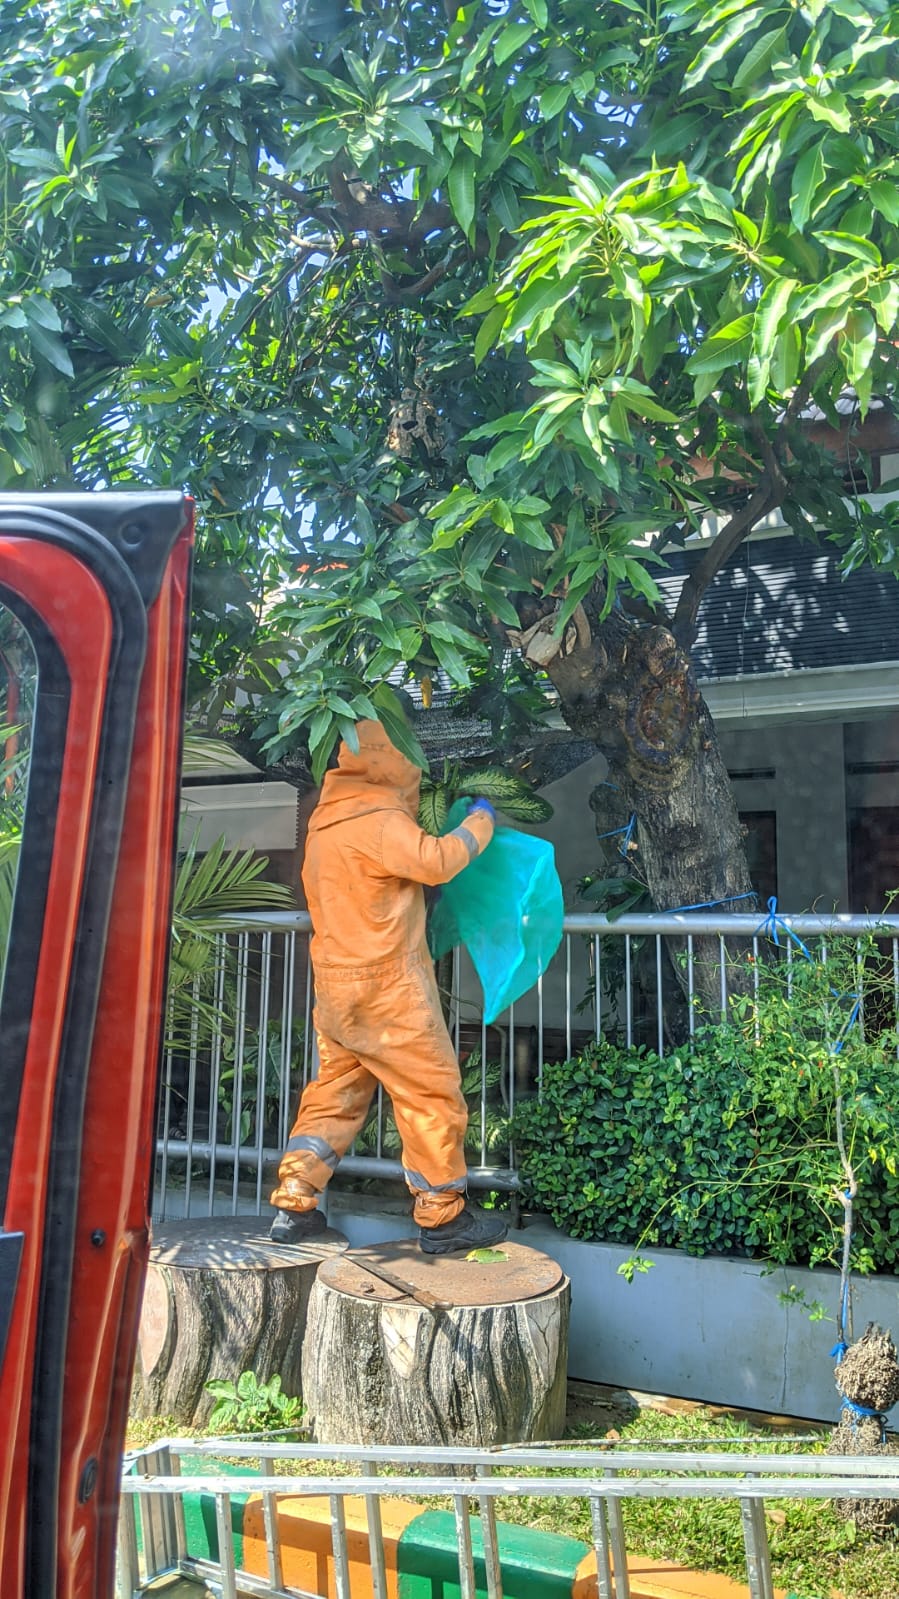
(482, 805)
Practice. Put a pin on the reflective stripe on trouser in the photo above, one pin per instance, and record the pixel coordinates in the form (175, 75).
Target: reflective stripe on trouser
(381, 1024)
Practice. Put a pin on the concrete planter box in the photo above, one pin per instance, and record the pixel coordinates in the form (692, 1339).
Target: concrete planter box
(710, 1328)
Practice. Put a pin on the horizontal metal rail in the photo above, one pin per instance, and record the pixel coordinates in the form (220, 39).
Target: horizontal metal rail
(668, 923)
(473, 1481)
(229, 1096)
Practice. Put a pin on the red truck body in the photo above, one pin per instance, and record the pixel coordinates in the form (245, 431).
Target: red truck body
(99, 583)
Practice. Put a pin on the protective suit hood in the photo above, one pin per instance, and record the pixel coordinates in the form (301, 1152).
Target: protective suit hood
(377, 778)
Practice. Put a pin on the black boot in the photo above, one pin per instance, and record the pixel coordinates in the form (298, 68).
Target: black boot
(473, 1228)
(297, 1226)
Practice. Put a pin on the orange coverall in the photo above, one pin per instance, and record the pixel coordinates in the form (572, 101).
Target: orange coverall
(377, 1010)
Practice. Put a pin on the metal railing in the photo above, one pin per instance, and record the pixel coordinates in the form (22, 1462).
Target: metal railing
(230, 1093)
(153, 1539)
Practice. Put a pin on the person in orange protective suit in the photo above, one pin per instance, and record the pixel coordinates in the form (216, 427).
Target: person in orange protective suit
(377, 1009)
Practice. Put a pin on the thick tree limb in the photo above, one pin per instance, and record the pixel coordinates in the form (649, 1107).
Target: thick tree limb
(764, 500)
(363, 210)
(403, 293)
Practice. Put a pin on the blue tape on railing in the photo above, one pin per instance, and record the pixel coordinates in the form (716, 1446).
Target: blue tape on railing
(773, 921)
(709, 904)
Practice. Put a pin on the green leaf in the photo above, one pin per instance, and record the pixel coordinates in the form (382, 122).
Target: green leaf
(396, 725)
(553, 100)
(461, 189)
(722, 349)
(413, 124)
(51, 349)
(733, 31)
(537, 11)
(850, 244)
(43, 312)
(771, 313)
(807, 179)
(884, 297)
(511, 39)
(884, 195)
(858, 344)
(759, 58)
(486, 1257)
(489, 332)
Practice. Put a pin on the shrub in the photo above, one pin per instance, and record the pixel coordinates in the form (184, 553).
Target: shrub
(250, 1406)
(729, 1144)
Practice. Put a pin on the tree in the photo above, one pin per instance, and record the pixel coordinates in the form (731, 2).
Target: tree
(457, 319)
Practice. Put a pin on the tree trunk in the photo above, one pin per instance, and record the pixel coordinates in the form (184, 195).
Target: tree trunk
(379, 1368)
(220, 1298)
(630, 688)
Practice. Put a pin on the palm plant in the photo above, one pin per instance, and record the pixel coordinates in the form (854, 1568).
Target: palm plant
(210, 895)
(506, 791)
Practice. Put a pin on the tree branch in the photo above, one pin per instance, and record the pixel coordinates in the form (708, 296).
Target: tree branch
(765, 498)
(401, 293)
(635, 605)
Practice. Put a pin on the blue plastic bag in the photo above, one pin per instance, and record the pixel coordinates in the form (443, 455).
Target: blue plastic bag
(506, 908)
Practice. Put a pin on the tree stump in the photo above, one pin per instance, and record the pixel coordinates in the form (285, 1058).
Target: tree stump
(220, 1298)
(380, 1368)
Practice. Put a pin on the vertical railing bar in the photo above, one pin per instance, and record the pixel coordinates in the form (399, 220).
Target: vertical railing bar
(456, 998)
(270, 1520)
(789, 968)
(860, 985)
(567, 996)
(339, 1548)
(722, 974)
(127, 1563)
(600, 1528)
(628, 994)
(265, 987)
(691, 988)
(540, 1050)
(178, 1509)
(755, 1540)
(166, 1116)
(243, 963)
(225, 1530)
(467, 1584)
(597, 994)
(510, 1101)
(493, 1569)
(307, 1021)
(660, 1017)
(755, 988)
(896, 992)
(158, 1524)
(615, 1524)
(375, 1537)
(483, 1091)
(215, 1062)
(379, 1120)
(193, 1051)
(288, 964)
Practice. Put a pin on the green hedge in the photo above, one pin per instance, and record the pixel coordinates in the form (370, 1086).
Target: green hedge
(728, 1145)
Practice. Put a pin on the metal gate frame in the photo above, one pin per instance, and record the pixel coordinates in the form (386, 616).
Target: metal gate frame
(473, 1479)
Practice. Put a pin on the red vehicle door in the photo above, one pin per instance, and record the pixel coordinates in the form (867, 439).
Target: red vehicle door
(93, 614)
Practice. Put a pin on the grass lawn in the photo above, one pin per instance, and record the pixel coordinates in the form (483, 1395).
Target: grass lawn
(813, 1554)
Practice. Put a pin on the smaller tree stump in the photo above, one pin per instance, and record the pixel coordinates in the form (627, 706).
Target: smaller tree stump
(220, 1298)
(380, 1368)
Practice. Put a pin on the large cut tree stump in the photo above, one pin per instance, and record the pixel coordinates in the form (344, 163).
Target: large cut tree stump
(221, 1298)
(380, 1368)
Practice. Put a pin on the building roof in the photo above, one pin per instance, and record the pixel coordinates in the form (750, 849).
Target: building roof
(782, 605)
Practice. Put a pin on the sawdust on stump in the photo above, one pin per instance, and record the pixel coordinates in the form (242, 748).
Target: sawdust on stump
(868, 1375)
